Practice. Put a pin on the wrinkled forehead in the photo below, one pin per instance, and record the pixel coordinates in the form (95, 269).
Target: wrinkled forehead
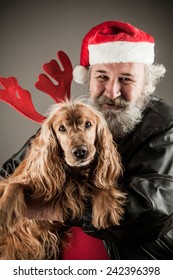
(76, 114)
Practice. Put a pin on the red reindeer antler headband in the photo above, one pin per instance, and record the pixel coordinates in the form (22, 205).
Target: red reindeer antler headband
(20, 99)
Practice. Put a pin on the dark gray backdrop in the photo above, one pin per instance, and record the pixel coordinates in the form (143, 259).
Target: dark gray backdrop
(31, 32)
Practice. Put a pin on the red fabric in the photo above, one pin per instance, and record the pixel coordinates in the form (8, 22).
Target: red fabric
(61, 89)
(19, 98)
(84, 247)
(111, 31)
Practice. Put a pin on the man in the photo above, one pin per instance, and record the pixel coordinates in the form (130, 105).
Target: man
(117, 62)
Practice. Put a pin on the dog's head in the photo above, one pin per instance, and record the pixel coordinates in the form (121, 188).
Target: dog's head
(75, 128)
(81, 132)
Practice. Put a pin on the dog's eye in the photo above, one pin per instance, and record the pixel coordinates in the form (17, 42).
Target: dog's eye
(88, 124)
(62, 128)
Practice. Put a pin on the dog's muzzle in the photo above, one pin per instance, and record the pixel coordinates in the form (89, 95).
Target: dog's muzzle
(80, 152)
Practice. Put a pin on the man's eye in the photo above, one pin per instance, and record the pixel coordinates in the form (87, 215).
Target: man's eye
(88, 124)
(102, 78)
(125, 80)
(62, 128)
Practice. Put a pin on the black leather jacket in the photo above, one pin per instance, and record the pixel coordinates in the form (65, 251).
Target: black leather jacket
(146, 231)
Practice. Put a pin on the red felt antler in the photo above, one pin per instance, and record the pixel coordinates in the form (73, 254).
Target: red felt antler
(64, 78)
(20, 99)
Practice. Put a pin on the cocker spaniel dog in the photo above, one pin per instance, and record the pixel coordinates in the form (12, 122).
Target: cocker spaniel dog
(72, 160)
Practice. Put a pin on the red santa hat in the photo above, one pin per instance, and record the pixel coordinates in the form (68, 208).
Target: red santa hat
(113, 41)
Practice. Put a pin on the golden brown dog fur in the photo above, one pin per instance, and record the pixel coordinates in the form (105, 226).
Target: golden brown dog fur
(72, 160)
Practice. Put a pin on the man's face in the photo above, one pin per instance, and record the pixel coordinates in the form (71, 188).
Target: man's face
(117, 89)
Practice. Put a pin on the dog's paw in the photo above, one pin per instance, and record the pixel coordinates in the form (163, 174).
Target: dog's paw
(12, 207)
(107, 209)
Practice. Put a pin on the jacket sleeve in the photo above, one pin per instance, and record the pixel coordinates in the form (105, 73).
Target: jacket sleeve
(11, 164)
(148, 181)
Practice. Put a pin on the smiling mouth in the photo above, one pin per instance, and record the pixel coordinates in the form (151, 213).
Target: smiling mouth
(106, 105)
(112, 106)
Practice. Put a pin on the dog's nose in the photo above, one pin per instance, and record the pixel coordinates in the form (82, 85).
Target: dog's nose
(79, 152)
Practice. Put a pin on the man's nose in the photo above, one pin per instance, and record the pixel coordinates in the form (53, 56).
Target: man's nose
(113, 89)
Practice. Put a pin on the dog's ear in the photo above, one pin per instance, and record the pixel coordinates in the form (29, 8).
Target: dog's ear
(47, 165)
(109, 168)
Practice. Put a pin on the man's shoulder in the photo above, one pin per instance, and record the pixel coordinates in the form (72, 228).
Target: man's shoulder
(157, 117)
(162, 110)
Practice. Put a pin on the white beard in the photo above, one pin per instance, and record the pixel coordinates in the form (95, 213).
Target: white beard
(121, 120)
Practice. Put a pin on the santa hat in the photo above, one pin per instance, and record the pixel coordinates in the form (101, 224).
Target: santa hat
(113, 41)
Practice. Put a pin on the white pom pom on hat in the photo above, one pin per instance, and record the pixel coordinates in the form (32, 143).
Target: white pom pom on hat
(113, 42)
(80, 74)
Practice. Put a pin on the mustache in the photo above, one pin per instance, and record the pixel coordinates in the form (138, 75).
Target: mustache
(119, 102)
